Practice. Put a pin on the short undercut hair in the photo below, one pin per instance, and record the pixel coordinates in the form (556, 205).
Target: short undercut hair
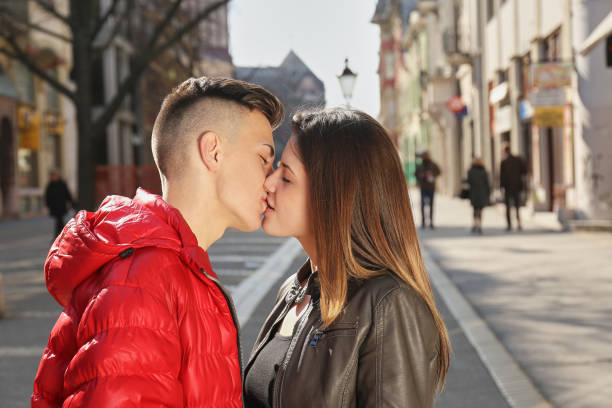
(198, 100)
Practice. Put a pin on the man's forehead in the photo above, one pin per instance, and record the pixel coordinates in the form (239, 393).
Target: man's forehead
(257, 126)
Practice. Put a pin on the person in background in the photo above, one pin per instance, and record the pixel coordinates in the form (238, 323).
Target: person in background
(512, 181)
(57, 196)
(480, 190)
(426, 174)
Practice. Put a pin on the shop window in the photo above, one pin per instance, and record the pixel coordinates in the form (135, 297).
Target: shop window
(27, 168)
(24, 83)
(52, 94)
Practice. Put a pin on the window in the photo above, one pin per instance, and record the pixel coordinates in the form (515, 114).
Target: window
(490, 9)
(52, 95)
(523, 74)
(391, 114)
(551, 47)
(24, 83)
(389, 66)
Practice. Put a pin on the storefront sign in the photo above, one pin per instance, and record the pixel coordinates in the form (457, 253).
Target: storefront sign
(28, 125)
(54, 124)
(455, 104)
(551, 75)
(525, 110)
(549, 116)
(548, 97)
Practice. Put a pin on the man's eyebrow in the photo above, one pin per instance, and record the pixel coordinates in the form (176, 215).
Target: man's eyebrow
(287, 167)
(271, 149)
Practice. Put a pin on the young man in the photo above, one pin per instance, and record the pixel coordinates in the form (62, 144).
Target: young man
(57, 196)
(426, 174)
(512, 174)
(145, 321)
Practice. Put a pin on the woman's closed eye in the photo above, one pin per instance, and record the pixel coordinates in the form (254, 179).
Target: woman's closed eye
(285, 180)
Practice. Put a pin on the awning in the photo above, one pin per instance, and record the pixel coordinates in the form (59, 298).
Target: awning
(498, 93)
(599, 33)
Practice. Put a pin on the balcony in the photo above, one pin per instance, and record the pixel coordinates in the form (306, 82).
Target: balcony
(427, 6)
(456, 52)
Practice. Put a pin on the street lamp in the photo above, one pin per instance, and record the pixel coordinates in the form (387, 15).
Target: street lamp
(347, 83)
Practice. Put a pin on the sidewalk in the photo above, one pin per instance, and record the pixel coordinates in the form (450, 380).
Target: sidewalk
(546, 295)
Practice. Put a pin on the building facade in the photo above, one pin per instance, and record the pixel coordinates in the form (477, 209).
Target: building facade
(516, 69)
(294, 84)
(38, 131)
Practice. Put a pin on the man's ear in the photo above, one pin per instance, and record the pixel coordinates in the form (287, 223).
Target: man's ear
(210, 147)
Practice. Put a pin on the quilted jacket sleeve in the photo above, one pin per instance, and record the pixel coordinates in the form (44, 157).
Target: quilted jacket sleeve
(126, 349)
(397, 364)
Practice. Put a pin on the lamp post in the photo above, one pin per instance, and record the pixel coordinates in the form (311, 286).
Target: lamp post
(347, 83)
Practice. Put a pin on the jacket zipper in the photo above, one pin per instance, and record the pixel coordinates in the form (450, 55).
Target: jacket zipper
(262, 343)
(319, 334)
(232, 309)
(280, 377)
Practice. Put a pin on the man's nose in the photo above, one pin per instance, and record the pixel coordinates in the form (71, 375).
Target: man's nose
(270, 182)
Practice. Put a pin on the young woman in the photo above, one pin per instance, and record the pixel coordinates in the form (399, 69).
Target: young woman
(357, 325)
(478, 179)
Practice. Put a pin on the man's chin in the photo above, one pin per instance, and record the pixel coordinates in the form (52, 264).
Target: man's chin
(249, 226)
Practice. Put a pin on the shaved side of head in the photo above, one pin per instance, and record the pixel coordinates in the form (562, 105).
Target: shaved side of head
(205, 104)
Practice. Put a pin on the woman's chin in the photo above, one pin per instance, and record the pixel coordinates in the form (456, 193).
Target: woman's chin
(269, 228)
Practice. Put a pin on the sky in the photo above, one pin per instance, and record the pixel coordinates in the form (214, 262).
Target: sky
(321, 32)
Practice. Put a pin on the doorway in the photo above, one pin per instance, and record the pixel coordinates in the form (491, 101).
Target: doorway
(7, 164)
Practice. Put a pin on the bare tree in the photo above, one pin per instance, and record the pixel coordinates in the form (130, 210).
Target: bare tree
(91, 32)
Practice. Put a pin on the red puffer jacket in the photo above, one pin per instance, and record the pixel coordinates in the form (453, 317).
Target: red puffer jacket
(145, 322)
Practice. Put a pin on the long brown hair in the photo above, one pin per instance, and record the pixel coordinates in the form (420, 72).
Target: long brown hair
(360, 210)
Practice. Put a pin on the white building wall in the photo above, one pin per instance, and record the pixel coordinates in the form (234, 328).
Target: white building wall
(551, 16)
(492, 61)
(593, 115)
(527, 24)
(508, 32)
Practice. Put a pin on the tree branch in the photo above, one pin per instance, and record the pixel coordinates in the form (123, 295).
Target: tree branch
(116, 28)
(49, 9)
(189, 26)
(149, 54)
(161, 27)
(17, 20)
(18, 54)
(102, 20)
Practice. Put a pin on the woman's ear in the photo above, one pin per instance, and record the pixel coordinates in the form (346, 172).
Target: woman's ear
(210, 147)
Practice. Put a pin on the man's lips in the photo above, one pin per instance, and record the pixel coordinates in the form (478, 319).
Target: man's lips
(269, 206)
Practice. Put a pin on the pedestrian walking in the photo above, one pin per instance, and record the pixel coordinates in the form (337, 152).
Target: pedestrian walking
(357, 325)
(57, 196)
(480, 191)
(426, 174)
(512, 180)
(146, 322)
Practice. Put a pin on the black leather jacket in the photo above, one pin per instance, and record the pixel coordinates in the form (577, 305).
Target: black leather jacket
(382, 351)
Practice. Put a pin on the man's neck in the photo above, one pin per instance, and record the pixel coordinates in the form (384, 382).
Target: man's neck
(200, 212)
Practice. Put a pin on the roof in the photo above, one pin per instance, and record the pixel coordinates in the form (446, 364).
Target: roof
(384, 9)
(279, 80)
(600, 32)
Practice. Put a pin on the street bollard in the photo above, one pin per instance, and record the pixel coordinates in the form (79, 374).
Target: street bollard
(1, 298)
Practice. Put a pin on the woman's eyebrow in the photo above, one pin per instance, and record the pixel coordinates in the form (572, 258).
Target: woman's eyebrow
(287, 167)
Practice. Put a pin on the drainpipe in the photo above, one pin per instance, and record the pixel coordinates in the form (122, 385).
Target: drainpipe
(1, 298)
